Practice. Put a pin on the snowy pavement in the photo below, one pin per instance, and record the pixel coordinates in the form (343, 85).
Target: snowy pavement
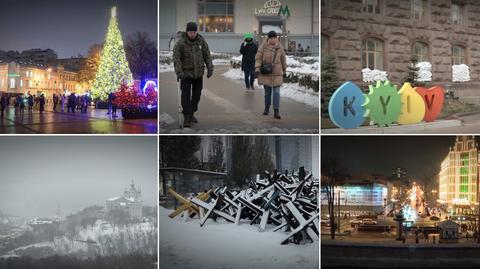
(218, 245)
(225, 107)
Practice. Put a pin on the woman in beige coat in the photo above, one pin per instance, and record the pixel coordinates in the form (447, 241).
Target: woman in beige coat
(271, 82)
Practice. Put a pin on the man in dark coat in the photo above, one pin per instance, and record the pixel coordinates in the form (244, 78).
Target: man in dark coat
(190, 56)
(41, 102)
(248, 49)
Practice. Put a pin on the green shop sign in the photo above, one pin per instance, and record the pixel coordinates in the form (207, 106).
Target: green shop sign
(273, 8)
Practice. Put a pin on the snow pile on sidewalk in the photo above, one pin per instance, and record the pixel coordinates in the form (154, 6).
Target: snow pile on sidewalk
(165, 119)
(460, 73)
(225, 245)
(299, 65)
(374, 75)
(425, 71)
(289, 90)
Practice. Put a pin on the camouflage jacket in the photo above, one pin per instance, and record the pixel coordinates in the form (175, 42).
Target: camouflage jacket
(191, 56)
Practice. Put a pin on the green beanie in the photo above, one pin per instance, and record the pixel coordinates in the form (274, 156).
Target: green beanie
(248, 35)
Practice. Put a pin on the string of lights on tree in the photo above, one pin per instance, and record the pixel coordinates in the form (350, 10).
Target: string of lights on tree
(113, 70)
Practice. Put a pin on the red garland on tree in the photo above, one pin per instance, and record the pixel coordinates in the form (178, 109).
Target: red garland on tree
(132, 98)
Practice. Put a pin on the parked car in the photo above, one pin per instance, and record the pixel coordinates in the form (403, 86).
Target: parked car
(369, 222)
(356, 221)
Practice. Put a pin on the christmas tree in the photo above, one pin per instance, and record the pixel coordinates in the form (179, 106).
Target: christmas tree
(113, 69)
(329, 79)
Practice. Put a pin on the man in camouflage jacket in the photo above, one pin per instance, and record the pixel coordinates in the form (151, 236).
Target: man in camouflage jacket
(190, 56)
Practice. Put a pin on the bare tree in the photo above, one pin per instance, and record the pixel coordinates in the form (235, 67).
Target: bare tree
(332, 173)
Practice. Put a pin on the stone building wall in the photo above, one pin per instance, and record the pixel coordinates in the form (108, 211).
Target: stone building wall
(346, 26)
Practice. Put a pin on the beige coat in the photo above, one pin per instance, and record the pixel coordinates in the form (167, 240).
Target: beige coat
(265, 55)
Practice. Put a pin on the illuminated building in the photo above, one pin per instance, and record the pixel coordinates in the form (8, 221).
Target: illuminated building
(458, 174)
(21, 77)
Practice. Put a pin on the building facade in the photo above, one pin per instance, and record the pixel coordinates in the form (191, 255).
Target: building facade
(22, 78)
(458, 181)
(385, 34)
(131, 203)
(223, 23)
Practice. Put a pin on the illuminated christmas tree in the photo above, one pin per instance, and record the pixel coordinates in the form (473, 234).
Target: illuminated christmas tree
(113, 69)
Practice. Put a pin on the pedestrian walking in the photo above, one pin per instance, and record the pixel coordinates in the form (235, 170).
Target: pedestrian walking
(3, 104)
(30, 100)
(86, 102)
(72, 103)
(41, 102)
(300, 50)
(114, 105)
(110, 103)
(55, 102)
(403, 239)
(21, 104)
(271, 67)
(190, 56)
(248, 49)
(62, 102)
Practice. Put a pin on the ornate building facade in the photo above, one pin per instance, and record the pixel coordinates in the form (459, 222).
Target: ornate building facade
(131, 202)
(385, 34)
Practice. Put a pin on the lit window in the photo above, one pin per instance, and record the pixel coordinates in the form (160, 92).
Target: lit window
(420, 51)
(417, 9)
(458, 55)
(21, 83)
(30, 83)
(372, 54)
(371, 6)
(457, 11)
(215, 16)
(12, 83)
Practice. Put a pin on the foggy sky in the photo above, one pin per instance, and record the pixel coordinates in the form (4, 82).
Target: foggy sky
(381, 154)
(70, 27)
(37, 173)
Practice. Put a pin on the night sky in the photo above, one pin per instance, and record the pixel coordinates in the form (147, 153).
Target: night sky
(70, 27)
(74, 172)
(382, 154)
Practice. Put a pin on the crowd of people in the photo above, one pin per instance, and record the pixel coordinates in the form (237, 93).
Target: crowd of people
(29, 102)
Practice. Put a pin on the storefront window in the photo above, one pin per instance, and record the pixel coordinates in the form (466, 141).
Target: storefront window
(458, 55)
(215, 16)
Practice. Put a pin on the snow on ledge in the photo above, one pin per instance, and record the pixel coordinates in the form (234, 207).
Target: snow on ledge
(425, 71)
(460, 73)
(374, 75)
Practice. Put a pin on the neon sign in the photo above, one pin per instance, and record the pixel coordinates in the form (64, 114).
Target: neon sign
(349, 107)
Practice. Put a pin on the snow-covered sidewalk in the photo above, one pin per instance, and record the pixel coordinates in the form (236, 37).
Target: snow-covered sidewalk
(290, 90)
(184, 244)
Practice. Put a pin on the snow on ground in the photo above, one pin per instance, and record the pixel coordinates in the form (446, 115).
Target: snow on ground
(162, 68)
(289, 90)
(99, 237)
(226, 245)
(165, 119)
(221, 62)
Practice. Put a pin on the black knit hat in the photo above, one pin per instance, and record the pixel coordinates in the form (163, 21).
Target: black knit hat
(191, 27)
(272, 34)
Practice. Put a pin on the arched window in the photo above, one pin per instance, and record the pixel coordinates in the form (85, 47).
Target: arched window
(458, 55)
(417, 9)
(420, 51)
(372, 53)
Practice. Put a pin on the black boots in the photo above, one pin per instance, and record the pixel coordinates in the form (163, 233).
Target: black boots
(193, 119)
(187, 121)
(276, 114)
(266, 111)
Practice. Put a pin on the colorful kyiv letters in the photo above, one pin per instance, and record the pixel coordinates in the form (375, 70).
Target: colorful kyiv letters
(349, 107)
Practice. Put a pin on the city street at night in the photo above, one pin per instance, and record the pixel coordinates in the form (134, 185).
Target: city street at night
(400, 202)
